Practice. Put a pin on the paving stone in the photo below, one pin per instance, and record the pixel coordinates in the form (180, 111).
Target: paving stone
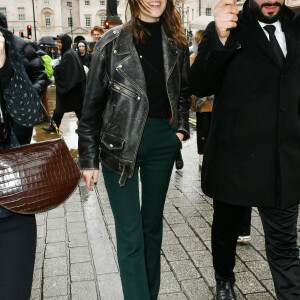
(197, 289)
(74, 216)
(260, 296)
(174, 218)
(76, 227)
(192, 244)
(36, 294)
(247, 253)
(260, 269)
(164, 266)
(201, 258)
(181, 201)
(41, 231)
(105, 282)
(40, 219)
(247, 283)
(197, 222)
(77, 240)
(269, 284)
(169, 238)
(174, 296)
(174, 252)
(55, 286)
(37, 280)
(184, 269)
(82, 271)
(54, 236)
(79, 254)
(40, 245)
(55, 266)
(73, 206)
(38, 263)
(169, 283)
(175, 193)
(53, 224)
(182, 230)
(55, 250)
(189, 211)
(84, 290)
(208, 273)
(258, 242)
(57, 298)
(204, 233)
(58, 212)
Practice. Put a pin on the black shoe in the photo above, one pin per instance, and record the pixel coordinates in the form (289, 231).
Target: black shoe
(225, 290)
(49, 128)
(179, 161)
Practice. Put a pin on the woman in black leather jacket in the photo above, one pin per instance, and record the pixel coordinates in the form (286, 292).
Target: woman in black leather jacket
(135, 116)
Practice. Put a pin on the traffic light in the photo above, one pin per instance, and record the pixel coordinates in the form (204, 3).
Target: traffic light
(106, 25)
(21, 33)
(29, 34)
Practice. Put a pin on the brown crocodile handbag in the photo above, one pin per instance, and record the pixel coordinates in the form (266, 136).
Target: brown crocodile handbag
(37, 177)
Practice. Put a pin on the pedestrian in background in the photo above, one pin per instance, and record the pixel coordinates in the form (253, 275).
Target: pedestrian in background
(83, 53)
(20, 103)
(138, 77)
(96, 34)
(252, 156)
(70, 82)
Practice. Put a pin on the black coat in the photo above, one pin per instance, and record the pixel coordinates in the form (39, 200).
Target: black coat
(69, 79)
(252, 157)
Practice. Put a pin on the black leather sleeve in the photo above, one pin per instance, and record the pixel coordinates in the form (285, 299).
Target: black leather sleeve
(93, 107)
(184, 101)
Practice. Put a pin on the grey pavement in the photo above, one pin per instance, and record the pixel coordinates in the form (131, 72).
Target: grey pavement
(76, 249)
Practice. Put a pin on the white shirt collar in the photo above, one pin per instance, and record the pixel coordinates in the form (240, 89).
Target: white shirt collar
(277, 25)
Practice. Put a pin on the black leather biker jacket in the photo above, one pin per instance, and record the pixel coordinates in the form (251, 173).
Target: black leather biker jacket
(116, 106)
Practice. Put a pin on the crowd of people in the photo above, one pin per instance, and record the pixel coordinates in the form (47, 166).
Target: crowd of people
(132, 92)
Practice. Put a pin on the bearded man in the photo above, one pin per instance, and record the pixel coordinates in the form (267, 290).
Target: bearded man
(250, 61)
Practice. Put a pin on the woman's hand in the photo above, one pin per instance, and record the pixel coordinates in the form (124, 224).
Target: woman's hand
(180, 136)
(2, 50)
(90, 178)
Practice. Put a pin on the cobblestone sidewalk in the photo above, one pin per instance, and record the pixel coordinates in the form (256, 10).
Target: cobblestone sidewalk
(76, 256)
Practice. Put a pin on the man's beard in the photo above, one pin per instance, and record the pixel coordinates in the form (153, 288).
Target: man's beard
(258, 14)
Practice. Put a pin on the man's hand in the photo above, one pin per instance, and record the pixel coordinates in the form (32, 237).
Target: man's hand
(225, 14)
(90, 178)
(2, 50)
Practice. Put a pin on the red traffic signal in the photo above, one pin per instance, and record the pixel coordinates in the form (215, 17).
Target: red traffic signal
(106, 24)
(29, 34)
(21, 33)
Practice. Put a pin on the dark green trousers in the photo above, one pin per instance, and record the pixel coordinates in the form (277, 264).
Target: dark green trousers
(139, 226)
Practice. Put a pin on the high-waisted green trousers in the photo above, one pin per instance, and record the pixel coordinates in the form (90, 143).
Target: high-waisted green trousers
(139, 226)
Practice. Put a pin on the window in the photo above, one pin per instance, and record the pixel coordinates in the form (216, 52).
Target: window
(208, 11)
(70, 21)
(102, 2)
(46, 1)
(21, 13)
(69, 4)
(87, 3)
(47, 21)
(88, 21)
(102, 21)
(3, 10)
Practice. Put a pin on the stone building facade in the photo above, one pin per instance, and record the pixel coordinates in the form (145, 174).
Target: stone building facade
(56, 16)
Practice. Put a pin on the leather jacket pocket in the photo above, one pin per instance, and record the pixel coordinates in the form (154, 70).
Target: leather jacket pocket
(120, 88)
(112, 142)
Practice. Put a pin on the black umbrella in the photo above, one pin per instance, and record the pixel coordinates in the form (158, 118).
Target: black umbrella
(47, 41)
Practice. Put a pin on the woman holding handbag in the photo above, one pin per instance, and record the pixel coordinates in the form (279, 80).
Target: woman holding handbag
(138, 77)
(20, 103)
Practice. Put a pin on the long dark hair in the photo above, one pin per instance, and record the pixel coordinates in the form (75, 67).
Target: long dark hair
(171, 21)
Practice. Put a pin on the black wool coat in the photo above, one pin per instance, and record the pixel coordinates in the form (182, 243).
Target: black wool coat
(252, 156)
(69, 79)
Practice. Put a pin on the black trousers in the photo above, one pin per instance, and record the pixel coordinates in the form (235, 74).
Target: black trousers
(57, 117)
(245, 228)
(280, 227)
(22, 133)
(17, 254)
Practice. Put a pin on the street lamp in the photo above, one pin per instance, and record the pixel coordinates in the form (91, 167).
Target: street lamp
(34, 20)
(71, 20)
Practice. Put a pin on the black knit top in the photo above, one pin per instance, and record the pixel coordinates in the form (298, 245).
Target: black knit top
(151, 56)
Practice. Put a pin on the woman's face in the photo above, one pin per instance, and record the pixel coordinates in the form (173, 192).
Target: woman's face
(81, 49)
(59, 44)
(155, 9)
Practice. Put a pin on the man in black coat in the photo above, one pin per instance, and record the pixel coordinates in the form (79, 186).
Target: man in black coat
(36, 72)
(252, 157)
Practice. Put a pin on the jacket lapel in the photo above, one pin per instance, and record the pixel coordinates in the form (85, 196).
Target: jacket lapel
(170, 54)
(128, 62)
